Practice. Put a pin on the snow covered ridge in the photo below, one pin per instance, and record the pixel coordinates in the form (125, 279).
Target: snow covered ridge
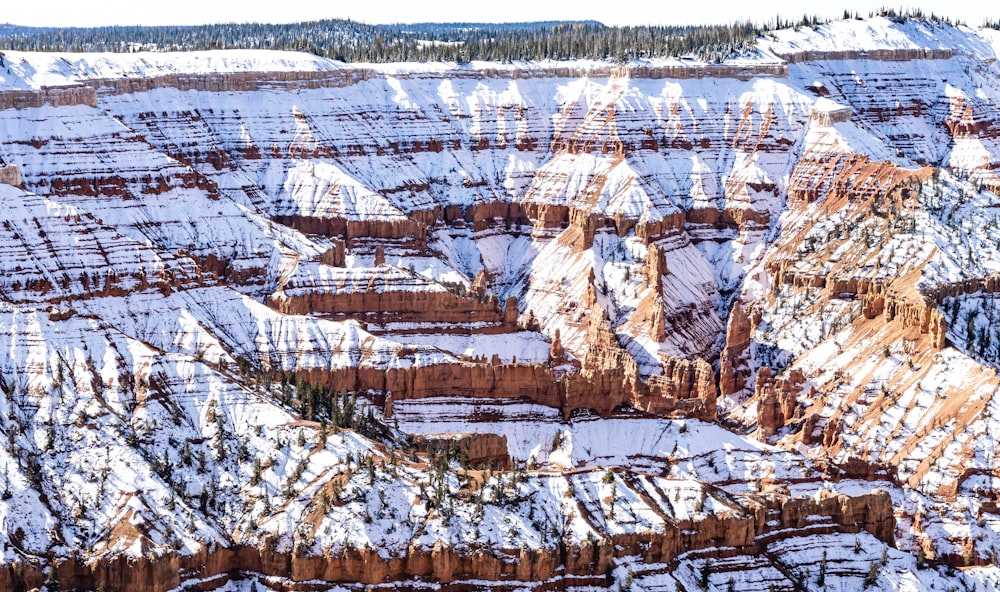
(37, 70)
(67, 79)
(882, 33)
(872, 38)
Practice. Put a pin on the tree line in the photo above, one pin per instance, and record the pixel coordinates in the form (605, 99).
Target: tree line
(351, 41)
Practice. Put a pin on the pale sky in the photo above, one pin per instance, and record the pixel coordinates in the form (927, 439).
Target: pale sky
(62, 13)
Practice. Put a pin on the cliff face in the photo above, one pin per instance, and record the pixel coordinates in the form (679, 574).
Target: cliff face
(407, 323)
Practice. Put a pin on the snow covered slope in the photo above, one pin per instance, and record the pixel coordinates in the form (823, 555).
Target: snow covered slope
(271, 317)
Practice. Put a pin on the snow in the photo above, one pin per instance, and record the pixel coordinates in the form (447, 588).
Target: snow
(215, 323)
(133, 404)
(524, 346)
(36, 70)
(878, 33)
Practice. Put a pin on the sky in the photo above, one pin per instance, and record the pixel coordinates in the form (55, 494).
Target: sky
(63, 13)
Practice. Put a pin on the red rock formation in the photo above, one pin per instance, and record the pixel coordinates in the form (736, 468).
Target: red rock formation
(480, 285)
(584, 224)
(530, 323)
(764, 520)
(382, 297)
(510, 313)
(808, 434)
(57, 96)
(477, 449)
(336, 255)
(608, 378)
(557, 355)
(777, 399)
(353, 230)
(510, 216)
(652, 231)
(686, 387)
(656, 267)
(740, 327)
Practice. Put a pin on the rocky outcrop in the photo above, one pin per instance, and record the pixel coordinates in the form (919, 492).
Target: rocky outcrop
(511, 314)
(825, 113)
(881, 55)
(10, 175)
(907, 307)
(480, 285)
(967, 119)
(777, 399)
(584, 225)
(393, 300)
(669, 226)
(508, 217)
(336, 255)
(656, 267)
(56, 96)
(532, 382)
(474, 449)
(740, 326)
(608, 378)
(353, 230)
(872, 512)
(686, 387)
(557, 354)
(867, 189)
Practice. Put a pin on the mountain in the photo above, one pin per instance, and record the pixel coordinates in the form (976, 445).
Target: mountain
(272, 321)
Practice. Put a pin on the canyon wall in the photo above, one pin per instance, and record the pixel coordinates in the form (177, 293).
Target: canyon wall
(594, 265)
